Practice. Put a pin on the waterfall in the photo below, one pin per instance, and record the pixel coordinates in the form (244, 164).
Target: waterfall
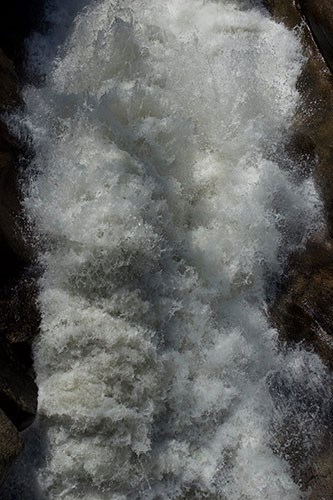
(162, 205)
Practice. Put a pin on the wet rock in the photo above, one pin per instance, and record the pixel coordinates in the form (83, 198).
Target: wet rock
(9, 150)
(302, 311)
(12, 222)
(19, 318)
(319, 16)
(313, 123)
(9, 88)
(10, 444)
(303, 306)
(283, 10)
(18, 391)
(19, 315)
(321, 480)
(14, 244)
(17, 19)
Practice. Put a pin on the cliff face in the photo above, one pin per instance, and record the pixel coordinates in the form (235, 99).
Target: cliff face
(302, 311)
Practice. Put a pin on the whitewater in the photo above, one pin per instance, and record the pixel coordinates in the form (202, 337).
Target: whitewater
(163, 207)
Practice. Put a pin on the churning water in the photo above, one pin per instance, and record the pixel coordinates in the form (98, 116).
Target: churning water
(162, 207)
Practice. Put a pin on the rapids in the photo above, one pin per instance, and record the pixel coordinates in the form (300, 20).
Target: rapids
(163, 206)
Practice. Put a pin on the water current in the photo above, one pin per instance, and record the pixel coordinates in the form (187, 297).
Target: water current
(163, 207)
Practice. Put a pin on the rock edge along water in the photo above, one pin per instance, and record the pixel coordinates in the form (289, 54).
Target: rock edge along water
(303, 308)
(19, 317)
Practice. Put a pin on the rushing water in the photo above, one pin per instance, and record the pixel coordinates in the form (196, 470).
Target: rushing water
(162, 206)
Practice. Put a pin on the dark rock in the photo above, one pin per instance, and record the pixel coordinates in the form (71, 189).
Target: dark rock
(18, 18)
(19, 315)
(319, 16)
(13, 242)
(9, 89)
(313, 123)
(303, 307)
(10, 444)
(283, 10)
(18, 391)
(302, 312)
(321, 479)
(12, 222)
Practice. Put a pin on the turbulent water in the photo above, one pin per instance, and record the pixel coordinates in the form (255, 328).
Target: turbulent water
(162, 203)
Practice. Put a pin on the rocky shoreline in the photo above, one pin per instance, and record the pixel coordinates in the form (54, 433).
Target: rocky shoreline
(302, 308)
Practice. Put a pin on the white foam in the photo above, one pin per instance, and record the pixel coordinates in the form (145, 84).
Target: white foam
(160, 213)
